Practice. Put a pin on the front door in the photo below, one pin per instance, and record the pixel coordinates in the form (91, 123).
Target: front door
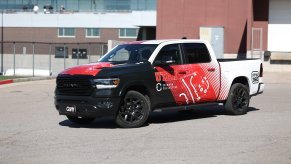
(169, 72)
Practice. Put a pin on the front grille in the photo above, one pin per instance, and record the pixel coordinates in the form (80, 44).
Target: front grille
(74, 85)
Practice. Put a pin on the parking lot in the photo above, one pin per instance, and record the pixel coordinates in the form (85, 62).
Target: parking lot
(31, 131)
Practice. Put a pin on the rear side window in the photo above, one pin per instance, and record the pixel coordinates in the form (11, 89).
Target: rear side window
(196, 53)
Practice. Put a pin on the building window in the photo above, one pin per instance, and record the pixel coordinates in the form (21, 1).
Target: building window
(128, 32)
(66, 32)
(92, 32)
(116, 5)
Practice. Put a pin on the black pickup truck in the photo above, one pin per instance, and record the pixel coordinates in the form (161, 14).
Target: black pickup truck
(136, 78)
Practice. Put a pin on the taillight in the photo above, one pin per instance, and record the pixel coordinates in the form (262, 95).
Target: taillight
(261, 70)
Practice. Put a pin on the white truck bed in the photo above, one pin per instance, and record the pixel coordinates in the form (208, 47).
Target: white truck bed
(249, 68)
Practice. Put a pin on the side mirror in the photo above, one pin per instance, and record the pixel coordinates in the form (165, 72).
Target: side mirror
(164, 63)
(168, 60)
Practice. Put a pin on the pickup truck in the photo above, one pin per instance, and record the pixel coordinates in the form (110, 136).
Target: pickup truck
(136, 78)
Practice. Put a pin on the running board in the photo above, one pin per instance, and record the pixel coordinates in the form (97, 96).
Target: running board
(186, 107)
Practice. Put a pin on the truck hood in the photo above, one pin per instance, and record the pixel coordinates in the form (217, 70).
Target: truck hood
(88, 69)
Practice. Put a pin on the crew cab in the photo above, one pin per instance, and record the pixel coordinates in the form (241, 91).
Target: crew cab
(136, 78)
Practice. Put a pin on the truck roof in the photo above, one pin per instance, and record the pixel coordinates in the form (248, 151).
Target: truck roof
(167, 40)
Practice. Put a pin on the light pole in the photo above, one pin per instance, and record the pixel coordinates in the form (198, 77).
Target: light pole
(2, 40)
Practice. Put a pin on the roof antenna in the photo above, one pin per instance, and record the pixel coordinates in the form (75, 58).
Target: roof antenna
(184, 37)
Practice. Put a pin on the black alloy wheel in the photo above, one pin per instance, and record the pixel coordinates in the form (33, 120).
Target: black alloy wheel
(238, 99)
(134, 110)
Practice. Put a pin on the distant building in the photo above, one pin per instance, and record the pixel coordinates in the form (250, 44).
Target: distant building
(248, 24)
(72, 21)
(53, 35)
(238, 26)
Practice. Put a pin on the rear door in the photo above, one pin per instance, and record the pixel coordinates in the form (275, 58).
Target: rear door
(202, 81)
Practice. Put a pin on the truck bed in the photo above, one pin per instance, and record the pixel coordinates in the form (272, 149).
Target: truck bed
(231, 59)
(233, 68)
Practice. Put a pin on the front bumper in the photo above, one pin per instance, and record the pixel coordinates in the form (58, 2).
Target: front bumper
(86, 106)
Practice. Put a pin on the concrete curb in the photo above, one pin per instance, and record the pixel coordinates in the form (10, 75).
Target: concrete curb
(17, 80)
(6, 82)
(32, 79)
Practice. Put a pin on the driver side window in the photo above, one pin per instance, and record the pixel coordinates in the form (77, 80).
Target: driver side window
(169, 55)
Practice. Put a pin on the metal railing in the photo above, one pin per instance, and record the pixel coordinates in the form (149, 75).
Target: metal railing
(47, 59)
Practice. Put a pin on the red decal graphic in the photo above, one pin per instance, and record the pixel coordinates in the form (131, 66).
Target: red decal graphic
(88, 69)
(190, 85)
(165, 76)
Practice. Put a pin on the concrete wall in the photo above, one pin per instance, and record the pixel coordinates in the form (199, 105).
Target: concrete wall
(24, 63)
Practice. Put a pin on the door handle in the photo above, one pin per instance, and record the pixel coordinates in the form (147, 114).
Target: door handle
(210, 69)
(182, 72)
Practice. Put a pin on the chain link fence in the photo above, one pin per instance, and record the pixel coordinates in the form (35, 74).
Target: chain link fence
(47, 59)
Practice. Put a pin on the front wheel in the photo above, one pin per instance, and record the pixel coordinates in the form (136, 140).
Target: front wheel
(80, 120)
(238, 100)
(134, 110)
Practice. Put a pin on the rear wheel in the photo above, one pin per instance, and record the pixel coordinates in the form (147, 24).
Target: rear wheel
(134, 110)
(80, 120)
(238, 100)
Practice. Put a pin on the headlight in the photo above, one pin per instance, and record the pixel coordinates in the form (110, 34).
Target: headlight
(106, 83)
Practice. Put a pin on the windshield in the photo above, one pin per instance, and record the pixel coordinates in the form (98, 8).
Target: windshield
(129, 53)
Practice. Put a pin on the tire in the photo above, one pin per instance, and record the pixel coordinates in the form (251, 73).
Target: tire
(80, 120)
(238, 100)
(134, 110)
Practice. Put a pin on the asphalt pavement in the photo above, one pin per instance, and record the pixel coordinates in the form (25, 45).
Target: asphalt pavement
(31, 131)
